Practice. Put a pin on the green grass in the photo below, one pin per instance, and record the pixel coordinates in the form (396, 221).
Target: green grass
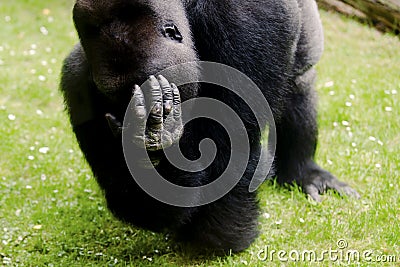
(53, 214)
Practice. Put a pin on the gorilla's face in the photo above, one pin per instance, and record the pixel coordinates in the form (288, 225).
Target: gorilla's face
(117, 45)
(127, 41)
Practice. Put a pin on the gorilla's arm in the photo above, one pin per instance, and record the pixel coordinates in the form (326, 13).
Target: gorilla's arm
(297, 130)
(77, 87)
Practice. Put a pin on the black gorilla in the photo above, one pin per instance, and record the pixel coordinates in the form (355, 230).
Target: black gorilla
(123, 42)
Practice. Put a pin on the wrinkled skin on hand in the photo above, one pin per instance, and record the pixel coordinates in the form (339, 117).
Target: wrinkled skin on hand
(162, 126)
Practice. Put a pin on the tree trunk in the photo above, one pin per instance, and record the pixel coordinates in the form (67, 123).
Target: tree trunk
(384, 14)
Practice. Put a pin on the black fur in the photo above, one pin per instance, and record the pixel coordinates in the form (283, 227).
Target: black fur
(276, 43)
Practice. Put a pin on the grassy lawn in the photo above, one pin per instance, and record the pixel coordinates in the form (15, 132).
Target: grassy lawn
(52, 213)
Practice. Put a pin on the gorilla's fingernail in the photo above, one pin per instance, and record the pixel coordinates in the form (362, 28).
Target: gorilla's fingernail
(162, 78)
(154, 81)
(140, 112)
(157, 108)
(167, 109)
(135, 89)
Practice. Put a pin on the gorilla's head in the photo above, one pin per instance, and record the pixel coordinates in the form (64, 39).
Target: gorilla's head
(126, 41)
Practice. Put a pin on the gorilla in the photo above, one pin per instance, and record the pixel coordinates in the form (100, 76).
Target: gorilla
(124, 43)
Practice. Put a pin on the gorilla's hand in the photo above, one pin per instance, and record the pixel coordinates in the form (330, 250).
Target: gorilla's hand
(317, 181)
(164, 123)
(159, 128)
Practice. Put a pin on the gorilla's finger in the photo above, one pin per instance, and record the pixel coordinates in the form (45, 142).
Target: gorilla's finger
(114, 124)
(342, 188)
(313, 192)
(139, 109)
(139, 104)
(167, 95)
(156, 108)
(177, 103)
(348, 191)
